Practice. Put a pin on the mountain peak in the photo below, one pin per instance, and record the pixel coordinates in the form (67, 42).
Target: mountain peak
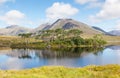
(65, 19)
(73, 24)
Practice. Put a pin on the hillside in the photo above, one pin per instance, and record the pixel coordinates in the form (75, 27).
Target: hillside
(14, 30)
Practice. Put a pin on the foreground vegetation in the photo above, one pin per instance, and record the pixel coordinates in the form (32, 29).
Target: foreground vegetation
(108, 71)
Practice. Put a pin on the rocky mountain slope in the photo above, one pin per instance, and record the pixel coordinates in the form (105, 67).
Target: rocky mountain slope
(69, 24)
(72, 24)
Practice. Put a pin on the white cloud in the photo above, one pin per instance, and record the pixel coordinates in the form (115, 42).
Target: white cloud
(95, 4)
(85, 1)
(110, 10)
(4, 1)
(90, 3)
(60, 10)
(13, 17)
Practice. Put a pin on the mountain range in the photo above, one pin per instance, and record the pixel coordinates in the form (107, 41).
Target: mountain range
(60, 23)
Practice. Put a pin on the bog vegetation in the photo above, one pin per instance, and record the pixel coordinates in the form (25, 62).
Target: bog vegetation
(108, 71)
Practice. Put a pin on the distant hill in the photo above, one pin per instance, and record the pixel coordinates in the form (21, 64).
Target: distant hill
(72, 24)
(115, 32)
(14, 30)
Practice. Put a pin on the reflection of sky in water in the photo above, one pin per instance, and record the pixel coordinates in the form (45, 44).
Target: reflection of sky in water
(22, 59)
(16, 63)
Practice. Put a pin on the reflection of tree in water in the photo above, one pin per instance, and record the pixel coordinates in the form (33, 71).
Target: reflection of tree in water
(53, 53)
(25, 56)
(67, 52)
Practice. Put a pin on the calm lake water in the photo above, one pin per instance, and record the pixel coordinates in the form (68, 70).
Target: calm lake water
(72, 57)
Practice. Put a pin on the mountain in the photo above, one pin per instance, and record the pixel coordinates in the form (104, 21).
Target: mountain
(72, 24)
(14, 30)
(60, 23)
(115, 32)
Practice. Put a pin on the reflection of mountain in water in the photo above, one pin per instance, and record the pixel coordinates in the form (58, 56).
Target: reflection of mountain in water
(114, 47)
(50, 53)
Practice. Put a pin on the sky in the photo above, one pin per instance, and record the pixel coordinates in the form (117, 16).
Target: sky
(104, 14)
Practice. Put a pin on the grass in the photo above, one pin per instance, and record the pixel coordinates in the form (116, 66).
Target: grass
(108, 71)
(7, 41)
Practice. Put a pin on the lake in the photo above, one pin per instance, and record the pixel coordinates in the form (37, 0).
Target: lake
(70, 57)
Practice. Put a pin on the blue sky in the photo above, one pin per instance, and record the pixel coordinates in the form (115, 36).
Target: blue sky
(32, 13)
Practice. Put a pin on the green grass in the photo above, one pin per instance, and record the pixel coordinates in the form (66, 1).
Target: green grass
(108, 71)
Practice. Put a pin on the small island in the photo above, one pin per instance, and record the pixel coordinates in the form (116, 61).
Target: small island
(58, 38)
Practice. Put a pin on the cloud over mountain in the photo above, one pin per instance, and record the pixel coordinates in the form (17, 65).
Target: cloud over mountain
(60, 10)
